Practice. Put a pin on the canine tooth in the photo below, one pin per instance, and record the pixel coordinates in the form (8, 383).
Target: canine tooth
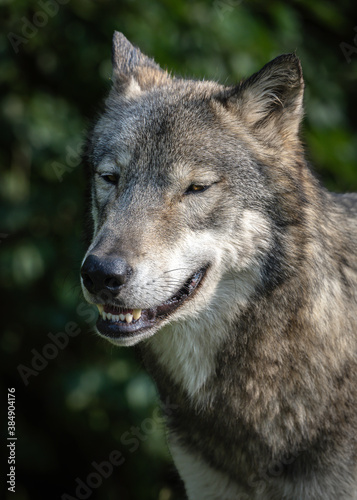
(109, 316)
(128, 318)
(121, 317)
(136, 313)
(100, 308)
(104, 315)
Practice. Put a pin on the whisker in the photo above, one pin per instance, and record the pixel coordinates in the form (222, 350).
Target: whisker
(177, 269)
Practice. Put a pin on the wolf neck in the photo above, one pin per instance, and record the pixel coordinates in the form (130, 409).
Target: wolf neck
(186, 352)
(271, 363)
(189, 353)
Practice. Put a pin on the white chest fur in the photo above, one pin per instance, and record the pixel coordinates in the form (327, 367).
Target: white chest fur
(201, 481)
(187, 349)
(188, 353)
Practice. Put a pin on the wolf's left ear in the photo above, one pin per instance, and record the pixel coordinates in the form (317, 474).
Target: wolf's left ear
(132, 70)
(270, 101)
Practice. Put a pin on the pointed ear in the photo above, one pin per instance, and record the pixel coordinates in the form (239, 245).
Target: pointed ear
(132, 70)
(270, 101)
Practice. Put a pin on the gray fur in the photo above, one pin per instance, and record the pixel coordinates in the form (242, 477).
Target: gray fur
(261, 361)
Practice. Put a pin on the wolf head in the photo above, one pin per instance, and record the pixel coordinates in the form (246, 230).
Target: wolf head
(190, 183)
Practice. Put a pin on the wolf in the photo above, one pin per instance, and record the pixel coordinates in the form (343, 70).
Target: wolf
(216, 252)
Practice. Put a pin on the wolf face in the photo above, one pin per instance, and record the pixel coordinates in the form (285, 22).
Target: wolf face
(181, 195)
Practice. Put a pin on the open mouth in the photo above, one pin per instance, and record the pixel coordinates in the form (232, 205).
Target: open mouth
(116, 322)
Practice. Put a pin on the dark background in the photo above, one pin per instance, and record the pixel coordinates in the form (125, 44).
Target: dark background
(79, 406)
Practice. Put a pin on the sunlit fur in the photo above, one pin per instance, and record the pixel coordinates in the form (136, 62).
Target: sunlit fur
(260, 363)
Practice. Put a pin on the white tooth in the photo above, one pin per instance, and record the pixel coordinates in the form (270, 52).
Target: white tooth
(121, 317)
(128, 318)
(116, 317)
(100, 308)
(109, 316)
(104, 315)
(136, 313)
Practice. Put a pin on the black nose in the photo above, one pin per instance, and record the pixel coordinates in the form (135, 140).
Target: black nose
(104, 274)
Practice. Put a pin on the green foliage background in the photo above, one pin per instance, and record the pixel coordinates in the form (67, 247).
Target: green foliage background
(77, 408)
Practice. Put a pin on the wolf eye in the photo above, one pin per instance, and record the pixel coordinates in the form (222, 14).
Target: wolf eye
(109, 178)
(196, 188)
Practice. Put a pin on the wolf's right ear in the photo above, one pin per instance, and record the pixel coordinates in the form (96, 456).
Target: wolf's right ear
(133, 72)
